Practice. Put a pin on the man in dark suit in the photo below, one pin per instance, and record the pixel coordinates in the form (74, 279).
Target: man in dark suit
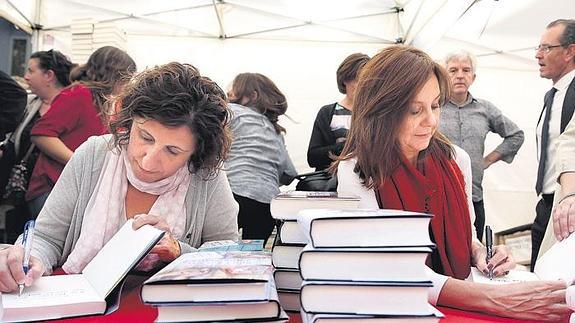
(12, 103)
(556, 58)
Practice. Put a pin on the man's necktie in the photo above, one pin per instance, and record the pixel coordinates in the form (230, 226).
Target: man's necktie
(544, 140)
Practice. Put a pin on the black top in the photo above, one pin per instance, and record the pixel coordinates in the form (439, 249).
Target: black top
(13, 99)
(328, 135)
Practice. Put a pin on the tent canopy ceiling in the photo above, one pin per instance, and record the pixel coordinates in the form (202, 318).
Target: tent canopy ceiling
(494, 26)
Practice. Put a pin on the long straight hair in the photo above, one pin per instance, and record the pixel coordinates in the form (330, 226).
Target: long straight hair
(386, 86)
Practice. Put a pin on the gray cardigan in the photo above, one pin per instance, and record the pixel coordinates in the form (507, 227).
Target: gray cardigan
(211, 208)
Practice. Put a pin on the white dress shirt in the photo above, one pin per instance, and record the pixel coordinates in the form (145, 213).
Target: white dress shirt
(550, 178)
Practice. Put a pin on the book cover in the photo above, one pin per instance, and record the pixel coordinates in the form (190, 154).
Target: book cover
(364, 264)
(286, 255)
(365, 298)
(260, 311)
(289, 300)
(53, 297)
(230, 245)
(291, 232)
(286, 205)
(434, 317)
(288, 279)
(371, 228)
(202, 277)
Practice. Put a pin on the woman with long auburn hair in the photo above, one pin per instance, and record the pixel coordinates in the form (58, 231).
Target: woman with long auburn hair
(395, 158)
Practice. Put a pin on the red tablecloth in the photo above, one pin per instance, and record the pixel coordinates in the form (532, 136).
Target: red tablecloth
(132, 310)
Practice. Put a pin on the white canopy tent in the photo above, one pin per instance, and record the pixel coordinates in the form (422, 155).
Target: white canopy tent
(300, 43)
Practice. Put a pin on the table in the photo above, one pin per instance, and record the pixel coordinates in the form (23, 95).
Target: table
(133, 310)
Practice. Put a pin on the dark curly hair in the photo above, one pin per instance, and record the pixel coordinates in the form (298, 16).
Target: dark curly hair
(176, 95)
(106, 67)
(269, 100)
(53, 60)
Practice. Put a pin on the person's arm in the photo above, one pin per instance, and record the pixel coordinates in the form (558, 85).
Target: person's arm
(321, 143)
(513, 137)
(13, 100)
(220, 221)
(535, 300)
(53, 147)
(63, 117)
(564, 212)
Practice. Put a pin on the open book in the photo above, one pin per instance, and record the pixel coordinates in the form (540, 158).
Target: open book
(53, 297)
(556, 263)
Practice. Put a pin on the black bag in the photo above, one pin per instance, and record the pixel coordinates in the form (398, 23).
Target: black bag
(17, 185)
(317, 181)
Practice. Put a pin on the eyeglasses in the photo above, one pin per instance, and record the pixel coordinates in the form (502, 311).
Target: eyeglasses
(546, 48)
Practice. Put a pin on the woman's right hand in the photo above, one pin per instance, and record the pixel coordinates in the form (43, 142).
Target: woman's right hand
(534, 300)
(11, 271)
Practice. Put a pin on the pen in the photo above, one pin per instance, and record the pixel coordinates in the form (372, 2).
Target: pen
(489, 242)
(27, 241)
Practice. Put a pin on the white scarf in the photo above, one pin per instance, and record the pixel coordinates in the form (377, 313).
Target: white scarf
(105, 211)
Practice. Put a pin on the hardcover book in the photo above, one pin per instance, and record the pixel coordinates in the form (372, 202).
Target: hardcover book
(260, 311)
(342, 318)
(372, 228)
(365, 298)
(286, 205)
(290, 232)
(364, 264)
(202, 277)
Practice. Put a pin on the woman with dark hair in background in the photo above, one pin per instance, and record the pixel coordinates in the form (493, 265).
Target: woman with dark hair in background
(258, 162)
(78, 112)
(332, 121)
(48, 73)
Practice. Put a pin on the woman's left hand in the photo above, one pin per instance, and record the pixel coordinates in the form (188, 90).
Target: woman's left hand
(168, 248)
(501, 262)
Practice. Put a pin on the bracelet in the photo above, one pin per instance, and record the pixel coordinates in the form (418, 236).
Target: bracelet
(565, 197)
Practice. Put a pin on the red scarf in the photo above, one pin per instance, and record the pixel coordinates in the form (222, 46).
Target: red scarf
(437, 187)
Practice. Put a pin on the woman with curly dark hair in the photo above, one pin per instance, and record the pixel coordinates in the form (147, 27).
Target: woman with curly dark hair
(160, 166)
(78, 112)
(258, 163)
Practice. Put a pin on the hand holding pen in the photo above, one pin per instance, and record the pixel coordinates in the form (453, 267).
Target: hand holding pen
(27, 241)
(13, 265)
(489, 246)
(492, 260)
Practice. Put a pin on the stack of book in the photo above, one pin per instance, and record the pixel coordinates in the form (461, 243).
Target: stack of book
(291, 240)
(82, 47)
(223, 286)
(366, 265)
(108, 34)
(89, 35)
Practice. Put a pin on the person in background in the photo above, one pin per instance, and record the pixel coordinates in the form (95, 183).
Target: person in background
(558, 64)
(258, 162)
(47, 74)
(12, 104)
(332, 121)
(160, 166)
(395, 158)
(556, 58)
(466, 121)
(78, 112)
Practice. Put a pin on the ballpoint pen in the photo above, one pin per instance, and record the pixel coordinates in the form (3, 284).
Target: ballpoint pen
(489, 246)
(27, 241)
